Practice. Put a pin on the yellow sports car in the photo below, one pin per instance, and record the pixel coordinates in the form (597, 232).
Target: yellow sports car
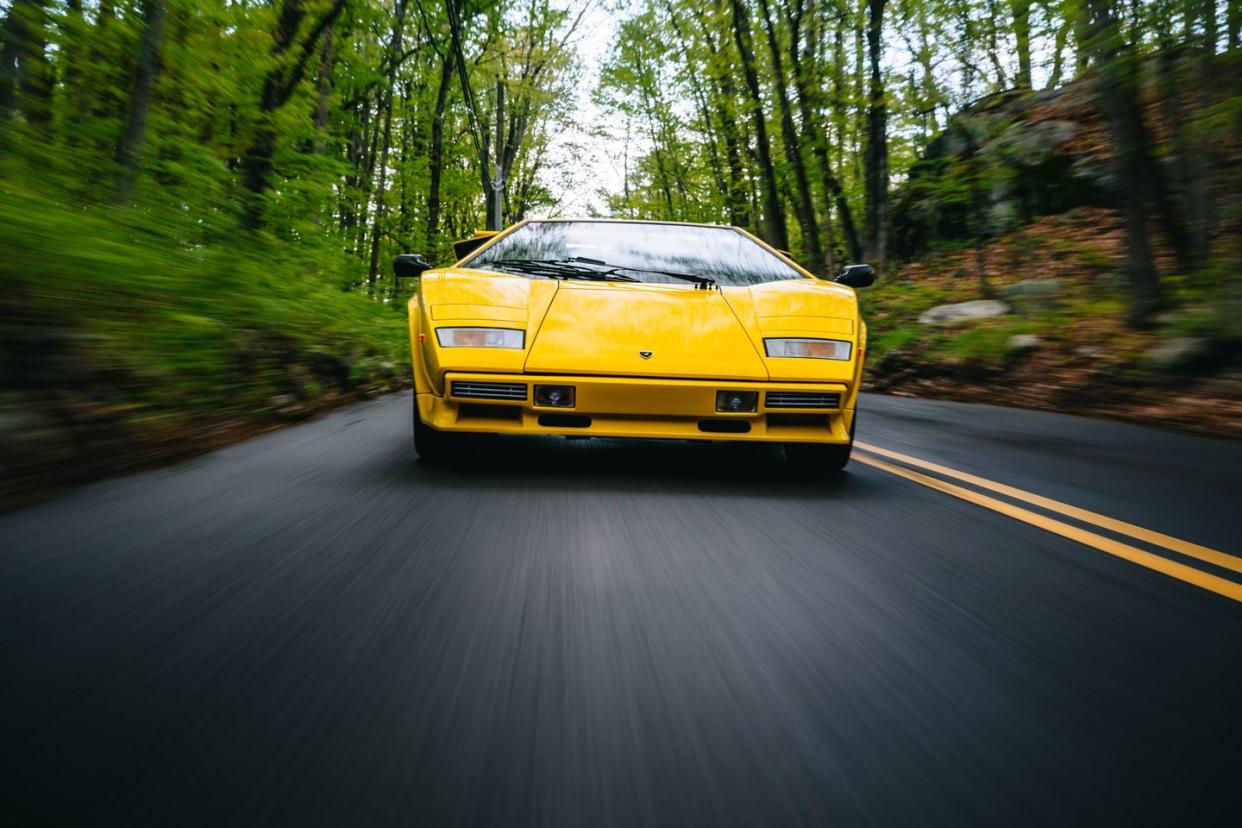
(617, 328)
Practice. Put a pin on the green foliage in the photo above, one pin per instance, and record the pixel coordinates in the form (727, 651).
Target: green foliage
(199, 200)
(114, 297)
(899, 301)
(984, 344)
(674, 79)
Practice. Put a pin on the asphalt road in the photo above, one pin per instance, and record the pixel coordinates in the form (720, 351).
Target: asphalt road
(311, 628)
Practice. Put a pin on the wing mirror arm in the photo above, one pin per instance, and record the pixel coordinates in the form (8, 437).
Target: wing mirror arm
(409, 265)
(856, 276)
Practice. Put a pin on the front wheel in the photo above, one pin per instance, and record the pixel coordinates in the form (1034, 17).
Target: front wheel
(432, 445)
(817, 459)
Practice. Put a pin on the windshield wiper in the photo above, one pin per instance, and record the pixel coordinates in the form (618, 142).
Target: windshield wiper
(572, 268)
(562, 269)
(699, 281)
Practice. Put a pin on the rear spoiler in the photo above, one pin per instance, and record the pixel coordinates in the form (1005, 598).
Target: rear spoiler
(466, 246)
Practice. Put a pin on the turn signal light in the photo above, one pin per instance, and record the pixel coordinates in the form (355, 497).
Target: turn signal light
(737, 402)
(811, 348)
(554, 396)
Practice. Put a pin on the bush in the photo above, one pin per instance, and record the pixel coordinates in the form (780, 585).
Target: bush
(117, 319)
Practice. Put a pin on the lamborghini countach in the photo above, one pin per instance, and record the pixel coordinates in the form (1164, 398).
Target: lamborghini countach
(619, 328)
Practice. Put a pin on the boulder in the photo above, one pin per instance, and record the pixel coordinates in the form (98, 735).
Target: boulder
(1035, 144)
(1021, 343)
(328, 366)
(1002, 162)
(1033, 294)
(961, 313)
(1182, 354)
(288, 407)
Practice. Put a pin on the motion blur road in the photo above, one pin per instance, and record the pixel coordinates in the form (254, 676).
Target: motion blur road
(314, 628)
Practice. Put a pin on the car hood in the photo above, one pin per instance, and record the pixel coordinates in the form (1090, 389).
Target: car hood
(643, 330)
(627, 329)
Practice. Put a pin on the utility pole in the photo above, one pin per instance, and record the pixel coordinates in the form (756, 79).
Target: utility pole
(498, 180)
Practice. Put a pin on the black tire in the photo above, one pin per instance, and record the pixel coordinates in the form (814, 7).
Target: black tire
(432, 445)
(819, 459)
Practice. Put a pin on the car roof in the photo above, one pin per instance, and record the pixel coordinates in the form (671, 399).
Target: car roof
(611, 220)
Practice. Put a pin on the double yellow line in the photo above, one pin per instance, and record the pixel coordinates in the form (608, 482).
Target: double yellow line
(870, 455)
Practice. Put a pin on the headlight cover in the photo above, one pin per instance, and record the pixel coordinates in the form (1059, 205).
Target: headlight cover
(480, 338)
(809, 348)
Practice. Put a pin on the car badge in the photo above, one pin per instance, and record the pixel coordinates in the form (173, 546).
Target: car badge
(645, 354)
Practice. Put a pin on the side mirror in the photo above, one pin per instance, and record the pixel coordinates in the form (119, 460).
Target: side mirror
(409, 265)
(856, 276)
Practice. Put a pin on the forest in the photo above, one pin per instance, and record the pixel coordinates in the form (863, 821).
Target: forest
(799, 118)
(1072, 163)
(199, 199)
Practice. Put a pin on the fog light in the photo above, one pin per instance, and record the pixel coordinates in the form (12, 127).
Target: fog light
(554, 396)
(737, 402)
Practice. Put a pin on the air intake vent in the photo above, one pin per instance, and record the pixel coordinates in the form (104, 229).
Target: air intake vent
(724, 426)
(565, 420)
(490, 390)
(801, 399)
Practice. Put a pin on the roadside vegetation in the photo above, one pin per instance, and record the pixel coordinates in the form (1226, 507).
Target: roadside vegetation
(1062, 341)
(199, 201)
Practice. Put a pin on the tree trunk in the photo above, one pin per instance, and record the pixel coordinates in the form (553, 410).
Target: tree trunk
(73, 47)
(813, 133)
(773, 215)
(661, 168)
(840, 114)
(876, 155)
(411, 147)
(368, 179)
(700, 99)
(479, 134)
(1082, 35)
(1118, 94)
(133, 137)
(16, 24)
(739, 202)
(356, 155)
(26, 77)
(1058, 49)
(278, 86)
(812, 250)
(88, 102)
(1200, 184)
(495, 216)
(435, 161)
(1001, 80)
(726, 96)
(323, 90)
(1021, 10)
(394, 49)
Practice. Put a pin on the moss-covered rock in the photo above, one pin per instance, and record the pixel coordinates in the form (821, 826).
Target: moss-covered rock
(1000, 163)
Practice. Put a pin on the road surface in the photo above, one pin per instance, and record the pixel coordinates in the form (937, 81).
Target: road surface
(312, 628)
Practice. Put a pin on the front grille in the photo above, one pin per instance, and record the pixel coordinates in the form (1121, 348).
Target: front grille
(802, 399)
(490, 390)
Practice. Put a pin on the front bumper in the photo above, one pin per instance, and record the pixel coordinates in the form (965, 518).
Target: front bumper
(640, 407)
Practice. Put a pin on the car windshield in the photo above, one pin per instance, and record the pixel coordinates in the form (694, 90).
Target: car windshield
(633, 251)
